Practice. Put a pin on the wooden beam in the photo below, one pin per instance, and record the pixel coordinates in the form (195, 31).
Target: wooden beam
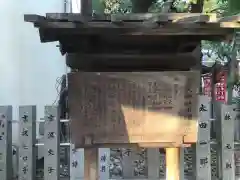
(91, 164)
(33, 18)
(71, 17)
(58, 25)
(203, 18)
(138, 61)
(86, 8)
(234, 25)
(147, 16)
(234, 18)
(135, 28)
(173, 164)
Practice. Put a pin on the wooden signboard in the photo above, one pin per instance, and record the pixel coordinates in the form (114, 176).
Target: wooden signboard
(148, 109)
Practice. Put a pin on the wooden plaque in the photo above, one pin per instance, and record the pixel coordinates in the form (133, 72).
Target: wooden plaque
(148, 109)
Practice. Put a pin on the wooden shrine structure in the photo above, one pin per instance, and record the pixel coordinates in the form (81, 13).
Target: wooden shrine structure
(135, 78)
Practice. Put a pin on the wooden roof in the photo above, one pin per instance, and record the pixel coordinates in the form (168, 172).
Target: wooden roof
(55, 26)
(140, 41)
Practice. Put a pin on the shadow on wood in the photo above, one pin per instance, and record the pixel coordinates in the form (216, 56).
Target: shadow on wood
(141, 109)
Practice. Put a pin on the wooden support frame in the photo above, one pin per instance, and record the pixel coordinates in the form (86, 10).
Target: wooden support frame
(173, 164)
(91, 164)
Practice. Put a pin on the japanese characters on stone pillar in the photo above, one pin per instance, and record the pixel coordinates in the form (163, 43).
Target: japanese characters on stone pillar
(104, 163)
(128, 158)
(51, 143)
(76, 163)
(227, 165)
(27, 139)
(203, 156)
(5, 142)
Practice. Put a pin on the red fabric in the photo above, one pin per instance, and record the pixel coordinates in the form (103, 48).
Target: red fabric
(221, 87)
(207, 81)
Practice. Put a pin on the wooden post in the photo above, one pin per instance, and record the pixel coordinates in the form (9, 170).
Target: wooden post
(172, 163)
(91, 164)
(86, 7)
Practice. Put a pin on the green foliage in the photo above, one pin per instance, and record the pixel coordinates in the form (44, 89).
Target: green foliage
(111, 6)
(220, 52)
(221, 7)
(234, 6)
(156, 7)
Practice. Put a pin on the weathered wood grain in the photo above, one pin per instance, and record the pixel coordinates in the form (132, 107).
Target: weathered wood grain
(128, 62)
(59, 26)
(135, 108)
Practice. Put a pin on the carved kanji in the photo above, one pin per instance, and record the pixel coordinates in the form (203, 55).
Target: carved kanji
(202, 108)
(74, 164)
(227, 117)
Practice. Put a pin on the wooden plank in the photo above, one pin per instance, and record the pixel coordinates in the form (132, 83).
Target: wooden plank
(136, 26)
(234, 18)
(146, 16)
(130, 17)
(33, 18)
(177, 23)
(132, 63)
(138, 29)
(119, 108)
(139, 57)
(71, 17)
(203, 18)
(206, 33)
(178, 20)
(49, 28)
(235, 25)
(173, 164)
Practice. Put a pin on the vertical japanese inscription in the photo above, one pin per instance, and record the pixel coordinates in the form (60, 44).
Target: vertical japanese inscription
(188, 99)
(121, 94)
(76, 161)
(113, 104)
(27, 153)
(104, 163)
(227, 141)
(51, 143)
(91, 105)
(203, 157)
(159, 96)
(24, 150)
